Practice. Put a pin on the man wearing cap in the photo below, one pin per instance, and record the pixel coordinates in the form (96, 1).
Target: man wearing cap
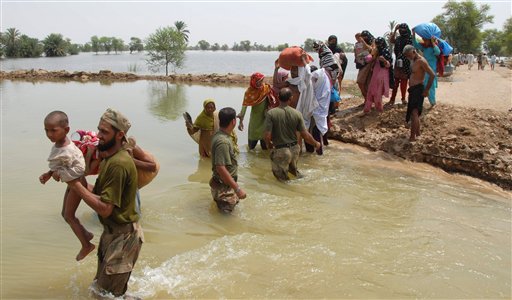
(113, 198)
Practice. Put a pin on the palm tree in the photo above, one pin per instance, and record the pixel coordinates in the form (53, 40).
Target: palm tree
(55, 45)
(389, 34)
(11, 38)
(181, 28)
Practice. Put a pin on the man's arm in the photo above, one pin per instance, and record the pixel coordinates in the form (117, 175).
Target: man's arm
(431, 76)
(310, 139)
(227, 179)
(142, 160)
(102, 208)
(268, 139)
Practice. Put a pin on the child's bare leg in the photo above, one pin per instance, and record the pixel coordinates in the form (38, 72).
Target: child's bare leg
(71, 202)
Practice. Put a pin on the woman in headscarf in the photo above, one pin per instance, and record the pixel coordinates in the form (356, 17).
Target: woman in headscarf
(279, 79)
(260, 97)
(402, 65)
(431, 53)
(365, 70)
(205, 124)
(379, 84)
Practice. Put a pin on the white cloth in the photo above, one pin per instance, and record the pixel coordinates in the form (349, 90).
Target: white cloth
(322, 90)
(67, 161)
(471, 59)
(307, 102)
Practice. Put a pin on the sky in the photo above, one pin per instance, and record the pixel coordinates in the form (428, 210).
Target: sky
(225, 22)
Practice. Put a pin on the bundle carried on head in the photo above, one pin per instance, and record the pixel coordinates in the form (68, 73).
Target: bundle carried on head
(292, 57)
(428, 30)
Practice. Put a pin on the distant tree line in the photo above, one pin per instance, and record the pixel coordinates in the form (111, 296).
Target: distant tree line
(461, 24)
(247, 46)
(15, 44)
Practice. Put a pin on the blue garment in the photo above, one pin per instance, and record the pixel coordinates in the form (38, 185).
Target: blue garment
(430, 54)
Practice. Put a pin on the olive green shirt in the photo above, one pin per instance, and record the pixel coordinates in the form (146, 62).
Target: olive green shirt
(223, 154)
(283, 123)
(117, 184)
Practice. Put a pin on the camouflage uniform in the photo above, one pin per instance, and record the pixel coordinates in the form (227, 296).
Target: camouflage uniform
(117, 253)
(283, 123)
(223, 154)
(285, 160)
(224, 196)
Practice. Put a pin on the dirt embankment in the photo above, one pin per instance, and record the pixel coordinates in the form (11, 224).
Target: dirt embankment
(106, 75)
(467, 140)
(457, 137)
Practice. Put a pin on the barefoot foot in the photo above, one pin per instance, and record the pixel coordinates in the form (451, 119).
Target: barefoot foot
(85, 251)
(88, 235)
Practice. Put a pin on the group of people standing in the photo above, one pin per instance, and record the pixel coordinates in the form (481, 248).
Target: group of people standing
(296, 105)
(377, 72)
(482, 60)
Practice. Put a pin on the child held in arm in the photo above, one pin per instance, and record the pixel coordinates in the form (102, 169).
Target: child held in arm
(66, 162)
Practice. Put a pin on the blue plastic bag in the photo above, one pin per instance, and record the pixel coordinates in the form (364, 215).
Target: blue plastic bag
(335, 95)
(445, 48)
(428, 30)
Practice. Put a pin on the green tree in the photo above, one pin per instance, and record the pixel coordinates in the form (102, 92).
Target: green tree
(389, 34)
(117, 44)
(86, 47)
(55, 45)
(203, 45)
(507, 37)
(282, 47)
(215, 47)
(308, 44)
(29, 47)
(461, 23)
(181, 28)
(135, 44)
(11, 42)
(245, 45)
(106, 43)
(224, 47)
(2, 46)
(95, 44)
(493, 41)
(166, 47)
(347, 47)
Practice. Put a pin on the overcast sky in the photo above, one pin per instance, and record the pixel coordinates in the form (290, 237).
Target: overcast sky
(224, 22)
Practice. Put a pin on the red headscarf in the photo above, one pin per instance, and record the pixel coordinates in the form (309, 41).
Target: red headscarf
(255, 95)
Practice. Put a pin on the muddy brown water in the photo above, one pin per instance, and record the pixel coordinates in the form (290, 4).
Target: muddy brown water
(358, 225)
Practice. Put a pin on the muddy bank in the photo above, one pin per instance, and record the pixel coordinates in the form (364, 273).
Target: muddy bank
(470, 141)
(107, 75)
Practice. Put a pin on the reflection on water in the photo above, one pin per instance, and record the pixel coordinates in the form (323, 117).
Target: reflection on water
(358, 225)
(166, 101)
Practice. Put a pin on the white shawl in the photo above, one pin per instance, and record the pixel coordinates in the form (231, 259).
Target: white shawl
(322, 89)
(307, 102)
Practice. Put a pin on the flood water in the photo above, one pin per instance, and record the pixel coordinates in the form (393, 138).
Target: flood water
(359, 225)
(196, 62)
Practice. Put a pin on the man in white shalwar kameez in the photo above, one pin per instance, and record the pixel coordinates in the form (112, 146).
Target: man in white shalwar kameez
(307, 102)
(322, 92)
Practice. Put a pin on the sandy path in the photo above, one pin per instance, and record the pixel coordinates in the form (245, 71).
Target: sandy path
(479, 89)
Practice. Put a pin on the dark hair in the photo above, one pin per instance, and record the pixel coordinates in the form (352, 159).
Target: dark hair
(285, 94)
(59, 116)
(332, 37)
(226, 115)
